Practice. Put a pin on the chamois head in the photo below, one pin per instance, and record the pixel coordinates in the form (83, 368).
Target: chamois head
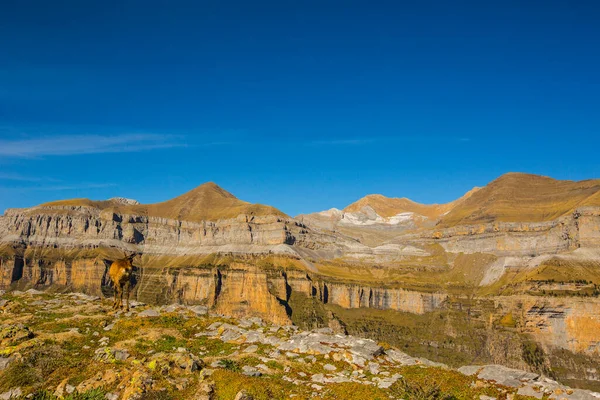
(130, 257)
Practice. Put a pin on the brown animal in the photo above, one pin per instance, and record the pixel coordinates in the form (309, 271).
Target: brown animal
(120, 272)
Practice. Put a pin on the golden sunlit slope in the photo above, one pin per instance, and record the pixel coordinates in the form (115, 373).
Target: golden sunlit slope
(388, 207)
(518, 197)
(207, 202)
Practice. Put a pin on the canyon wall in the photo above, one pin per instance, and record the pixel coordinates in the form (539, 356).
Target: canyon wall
(81, 226)
(240, 289)
(580, 229)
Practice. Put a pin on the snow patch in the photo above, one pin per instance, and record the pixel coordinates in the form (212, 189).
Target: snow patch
(362, 219)
(123, 200)
(401, 218)
(332, 212)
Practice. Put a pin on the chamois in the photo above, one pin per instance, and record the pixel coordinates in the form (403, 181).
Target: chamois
(120, 274)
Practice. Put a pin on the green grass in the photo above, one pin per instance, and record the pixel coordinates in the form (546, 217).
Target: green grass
(94, 394)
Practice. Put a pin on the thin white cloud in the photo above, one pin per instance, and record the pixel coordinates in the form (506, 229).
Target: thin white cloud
(75, 187)
(60, 187)
(65, 145)
(7, 176)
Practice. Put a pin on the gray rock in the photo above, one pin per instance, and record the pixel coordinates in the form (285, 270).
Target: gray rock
(171, 308)
(530, 391)
(385, 383)
(373, 368)
(401, 358)
(244, 323)
(83, 296)
(199, 310)
(11, 394)
(214, 326)
(329, 367)
(109, 327)
(250, 371)
(251, 349)
(121, 355)
(254, 337)
(111, 396)
(469, 369)
(5, 362)
(149, 313)
(500, 374)
(230, 335)
(242, 395)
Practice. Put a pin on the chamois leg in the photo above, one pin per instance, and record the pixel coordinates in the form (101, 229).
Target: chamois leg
(121, 297)
(116, 290)
(127, 288)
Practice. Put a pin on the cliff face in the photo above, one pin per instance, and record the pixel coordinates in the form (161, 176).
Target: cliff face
(243, 289)
(89, 227)
(238, 289)
(76, 226)
(567, 323)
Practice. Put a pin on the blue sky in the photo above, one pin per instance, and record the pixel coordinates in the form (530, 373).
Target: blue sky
(301, 105)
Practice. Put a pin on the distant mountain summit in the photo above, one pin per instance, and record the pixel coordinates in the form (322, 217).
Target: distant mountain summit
(206, 202)
(388, 207)
(519, 197)
(513, 197)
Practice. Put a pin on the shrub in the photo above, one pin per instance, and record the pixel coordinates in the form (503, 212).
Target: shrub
(18, 374)
(421, 391)
(230, 365)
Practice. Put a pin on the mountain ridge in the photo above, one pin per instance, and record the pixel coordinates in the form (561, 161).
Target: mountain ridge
(205, 202)
(512, 197)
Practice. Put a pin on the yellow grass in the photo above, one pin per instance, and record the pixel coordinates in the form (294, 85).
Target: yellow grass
(207, 202)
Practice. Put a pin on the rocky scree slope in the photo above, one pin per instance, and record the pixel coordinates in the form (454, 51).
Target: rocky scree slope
(71, 346)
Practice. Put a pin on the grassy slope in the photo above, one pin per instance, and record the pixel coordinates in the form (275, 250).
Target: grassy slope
(205, 203)
(388, 207)
(56, 353)
(559, 270)
(439, 271)
(523, 197)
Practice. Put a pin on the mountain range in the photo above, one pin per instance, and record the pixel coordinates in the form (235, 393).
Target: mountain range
(509, 273)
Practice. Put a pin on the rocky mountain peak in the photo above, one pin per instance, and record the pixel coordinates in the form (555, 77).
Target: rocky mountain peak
(125, 201)
(208, 202)
(211, 189)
